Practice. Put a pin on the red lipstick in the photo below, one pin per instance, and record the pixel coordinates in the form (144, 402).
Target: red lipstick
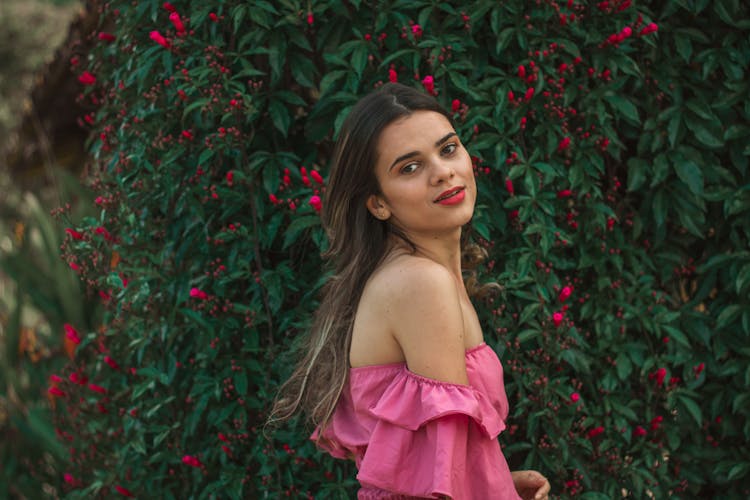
(452, 196)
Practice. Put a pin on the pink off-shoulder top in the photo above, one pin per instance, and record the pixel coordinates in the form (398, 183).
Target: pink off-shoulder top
(416, 437)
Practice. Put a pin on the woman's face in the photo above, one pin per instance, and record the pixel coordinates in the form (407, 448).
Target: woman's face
(426, 176)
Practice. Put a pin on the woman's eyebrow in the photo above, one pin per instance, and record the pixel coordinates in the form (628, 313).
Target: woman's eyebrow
(406, 156)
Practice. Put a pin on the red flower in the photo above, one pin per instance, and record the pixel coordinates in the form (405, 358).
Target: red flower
(316, 176)
(511, 96)
(656, 422)
(69, 478)
(513, 214)
(509, 186)
(557, 318)
(55, 379)
(74, 266)
(316, 203)
(650, 28)
(87, 78)
(416, 30)
(529, 93)
(639, 431)
(564, 144)
(455, 105)
(213, 17)
(698, 369)
(310, 19)
(565, 293)
(659, 375)
(564, 193)
(392, 76)
(168, 6)
(98, 388)
(198, 293)
(595, 432)
(106, 37)
(74, 234)
(273, 199)
(56, 392)
(429, 84)
(111, 362)
(120, 489)
(574, 397)
(230, 177)
(521, 71)
(177, 22)
(71, 333)
(191, 461)
(187, 135)
(158, 38)
(78, 378)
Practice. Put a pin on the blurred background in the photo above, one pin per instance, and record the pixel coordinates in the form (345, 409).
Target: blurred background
(41, 161)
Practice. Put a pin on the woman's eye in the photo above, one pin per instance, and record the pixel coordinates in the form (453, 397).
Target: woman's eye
(450, 148)
(409, 168)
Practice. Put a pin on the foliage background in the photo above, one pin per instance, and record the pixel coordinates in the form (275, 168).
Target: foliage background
(611, 160)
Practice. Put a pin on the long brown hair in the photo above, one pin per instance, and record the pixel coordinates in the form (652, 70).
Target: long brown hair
(357, 245)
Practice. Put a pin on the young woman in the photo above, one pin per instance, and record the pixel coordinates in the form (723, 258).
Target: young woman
(396, 375)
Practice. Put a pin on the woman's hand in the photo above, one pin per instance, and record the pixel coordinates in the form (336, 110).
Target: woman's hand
(530, 485)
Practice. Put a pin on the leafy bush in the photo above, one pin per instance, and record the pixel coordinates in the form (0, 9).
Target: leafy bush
(610, 148)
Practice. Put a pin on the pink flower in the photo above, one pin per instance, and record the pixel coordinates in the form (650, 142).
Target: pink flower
(639, 431)
(71, 333)
(626, 32)
(564, 193)
(74, 266)
(595, 432)
(177, 22)
(557, 318)
(316, 176)
(111, 362)
(564, 144)
(69, 478)
(98, 388)
(574, 397)
(55, 379)
(103, 231)
(230, 177)
(187, 135)
(509, 186)
(455, 105)
(310, 19)
(191, 461)
(529, 93)
(564, 293)
(392, 75)
(198, 293)
(120, 489)
(511, 95)
(416, 30)
(168, 6)
(106, 37)
(158, 38)
(56, 392)
(316, 203)
(429, 84)
(87, 78)
(273, 199)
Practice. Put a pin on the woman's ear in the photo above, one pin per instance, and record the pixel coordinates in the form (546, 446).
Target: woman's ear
(377, 207)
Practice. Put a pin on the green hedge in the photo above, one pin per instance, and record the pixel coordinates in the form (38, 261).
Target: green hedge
(610, 142)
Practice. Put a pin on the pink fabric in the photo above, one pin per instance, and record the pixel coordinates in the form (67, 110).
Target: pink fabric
(415, 437)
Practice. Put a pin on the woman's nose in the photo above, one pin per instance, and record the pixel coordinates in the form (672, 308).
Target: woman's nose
(442, 171)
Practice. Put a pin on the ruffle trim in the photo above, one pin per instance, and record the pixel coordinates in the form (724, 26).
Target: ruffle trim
(411, 401)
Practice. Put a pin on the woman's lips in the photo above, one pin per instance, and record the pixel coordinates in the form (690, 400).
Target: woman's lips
(456, 197)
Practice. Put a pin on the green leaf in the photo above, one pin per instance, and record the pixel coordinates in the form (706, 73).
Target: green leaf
(299, 224)
(279, 116)
(624, 106)
(692, 408)
(690, 173)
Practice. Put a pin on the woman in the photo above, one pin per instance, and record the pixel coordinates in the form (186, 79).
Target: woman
(396, 375)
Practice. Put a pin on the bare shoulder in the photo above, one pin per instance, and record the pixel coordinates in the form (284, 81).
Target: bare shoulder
(419, 300)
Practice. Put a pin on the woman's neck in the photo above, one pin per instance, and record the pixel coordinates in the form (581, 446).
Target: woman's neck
(446, 251)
